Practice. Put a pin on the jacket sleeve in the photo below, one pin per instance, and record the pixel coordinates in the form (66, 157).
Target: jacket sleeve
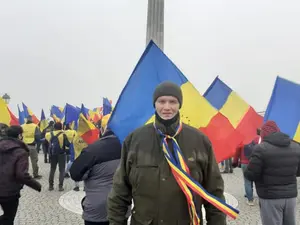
(214, 184)
(22, 174)
(254, 168)
(298, 171)
(82, 165)
(237, 155)
(120, 196)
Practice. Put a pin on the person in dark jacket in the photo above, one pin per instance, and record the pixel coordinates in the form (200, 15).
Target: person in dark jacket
(242, 161)
(14, 173)
(96, 166)
(274, 166)
(144, 175)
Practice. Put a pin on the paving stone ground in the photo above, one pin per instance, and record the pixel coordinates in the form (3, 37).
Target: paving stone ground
(46, 208)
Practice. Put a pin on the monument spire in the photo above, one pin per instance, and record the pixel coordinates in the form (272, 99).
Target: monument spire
(155, 23)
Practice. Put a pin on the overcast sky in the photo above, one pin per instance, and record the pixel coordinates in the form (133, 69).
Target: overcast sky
(58, 51)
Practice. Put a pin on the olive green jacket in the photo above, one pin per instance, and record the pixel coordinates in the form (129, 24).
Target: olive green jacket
(145, 177)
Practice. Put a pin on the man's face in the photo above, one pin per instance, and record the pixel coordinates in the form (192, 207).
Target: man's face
(167, 107)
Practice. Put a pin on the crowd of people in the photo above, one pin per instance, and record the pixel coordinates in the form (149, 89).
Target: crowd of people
(149, 176)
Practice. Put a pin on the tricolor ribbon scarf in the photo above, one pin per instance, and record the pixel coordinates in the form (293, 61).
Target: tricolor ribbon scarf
(188, 185)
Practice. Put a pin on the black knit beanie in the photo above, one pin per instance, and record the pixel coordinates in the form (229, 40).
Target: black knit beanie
(168, 88)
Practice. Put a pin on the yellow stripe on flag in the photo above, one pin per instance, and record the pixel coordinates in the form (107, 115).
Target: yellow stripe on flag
(229, 109)
(297, 134)
(84, 125)
(43, 125)
(4, 114)
(196, 111)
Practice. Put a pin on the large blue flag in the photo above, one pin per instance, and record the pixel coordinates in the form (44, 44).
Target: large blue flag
(284, 107)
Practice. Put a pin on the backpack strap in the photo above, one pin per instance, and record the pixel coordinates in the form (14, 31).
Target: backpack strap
(66, 142)
(52, 135)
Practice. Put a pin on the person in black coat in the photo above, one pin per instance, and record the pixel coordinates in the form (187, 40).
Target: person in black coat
(274, 166)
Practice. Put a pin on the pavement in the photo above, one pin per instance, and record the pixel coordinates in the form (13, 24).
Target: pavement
(63, 208)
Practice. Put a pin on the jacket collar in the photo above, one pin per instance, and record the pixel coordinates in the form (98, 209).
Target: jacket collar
(166, 128)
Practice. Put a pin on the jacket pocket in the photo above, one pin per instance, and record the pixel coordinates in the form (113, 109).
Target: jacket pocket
(137, 220)
(144, 178)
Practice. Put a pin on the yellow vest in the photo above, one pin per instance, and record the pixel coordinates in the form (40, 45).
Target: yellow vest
(29, 133)
(70, 135)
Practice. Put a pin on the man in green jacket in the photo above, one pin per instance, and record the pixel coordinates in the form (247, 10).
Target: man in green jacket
(145, 176)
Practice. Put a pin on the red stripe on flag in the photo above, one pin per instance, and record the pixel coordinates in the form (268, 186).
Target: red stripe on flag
(90, 136)
(223, 136)
(35, 120)
(13, 118)
(249, 124)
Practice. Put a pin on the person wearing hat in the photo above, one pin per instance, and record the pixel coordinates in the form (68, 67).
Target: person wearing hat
(145, 176)
(31, 136)
(274, 166)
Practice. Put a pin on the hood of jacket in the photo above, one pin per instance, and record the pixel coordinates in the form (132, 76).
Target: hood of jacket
(9, 144)
(278, 139)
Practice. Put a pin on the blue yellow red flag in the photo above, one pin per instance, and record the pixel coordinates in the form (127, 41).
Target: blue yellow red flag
(284, 107)
(241, 115)
(135, 107)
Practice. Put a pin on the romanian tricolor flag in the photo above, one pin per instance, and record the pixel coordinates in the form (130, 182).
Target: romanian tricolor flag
(21, 116)
(13, 119)
(94, 116)
(71, 115)
(43, 123)
(57, 113)
(85, 111)
(28, 112)
(240, 114)
(135, 107)
(284, 107)
(6, 116)
(87, 130)
(98, 109)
